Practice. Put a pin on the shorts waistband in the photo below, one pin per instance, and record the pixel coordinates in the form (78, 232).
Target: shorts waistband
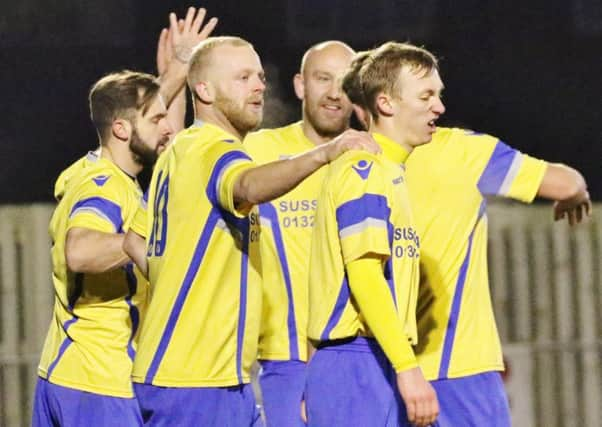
(357, 344)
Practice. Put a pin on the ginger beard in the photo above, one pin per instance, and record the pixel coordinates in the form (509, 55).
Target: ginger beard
(245, 115)
(328, 118)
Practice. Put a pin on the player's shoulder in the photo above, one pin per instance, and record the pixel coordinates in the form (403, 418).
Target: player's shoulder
(270, 139)
(203, 140)
(205, 133)
(461, 135)
(69, 176)
(104, 178)
(355, 164)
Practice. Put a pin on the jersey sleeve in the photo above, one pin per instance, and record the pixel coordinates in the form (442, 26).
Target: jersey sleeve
(232, 161)
(501, 170)
(98, 205)
(362, 210)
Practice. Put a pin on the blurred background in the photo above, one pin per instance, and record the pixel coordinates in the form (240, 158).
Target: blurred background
(527, 72)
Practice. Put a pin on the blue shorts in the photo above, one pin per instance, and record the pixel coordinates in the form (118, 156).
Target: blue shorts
(353, 384)
(55, 405)
(198, 406)
(475, 400)
(282, 384)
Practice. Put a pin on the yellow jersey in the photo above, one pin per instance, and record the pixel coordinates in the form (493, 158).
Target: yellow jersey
(204, 266)
(449, 180)
(286, 230)
(91, 342)
(363, 209)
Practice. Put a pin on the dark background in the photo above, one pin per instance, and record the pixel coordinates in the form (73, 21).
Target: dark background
(527, 72)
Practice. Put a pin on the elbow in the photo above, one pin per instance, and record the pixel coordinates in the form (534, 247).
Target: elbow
(246, 194)
(75, 262)
(562, 183)
(129, 245)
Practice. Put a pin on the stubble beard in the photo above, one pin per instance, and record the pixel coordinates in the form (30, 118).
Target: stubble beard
(241, 120)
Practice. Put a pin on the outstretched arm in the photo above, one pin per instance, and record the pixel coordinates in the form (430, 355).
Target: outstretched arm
(269, 181)
(568, 189)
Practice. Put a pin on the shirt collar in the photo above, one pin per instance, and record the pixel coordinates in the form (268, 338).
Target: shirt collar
(391, 150)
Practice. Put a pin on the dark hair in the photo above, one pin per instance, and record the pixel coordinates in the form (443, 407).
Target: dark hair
(120, 95)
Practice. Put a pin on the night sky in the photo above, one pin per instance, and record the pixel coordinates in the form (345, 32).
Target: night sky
(530, 75)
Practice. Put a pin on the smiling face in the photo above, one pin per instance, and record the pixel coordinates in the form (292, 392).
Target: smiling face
(326, 108)
(417, 105)
(239, 82)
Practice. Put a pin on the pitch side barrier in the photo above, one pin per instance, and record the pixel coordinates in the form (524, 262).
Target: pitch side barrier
(546, 285)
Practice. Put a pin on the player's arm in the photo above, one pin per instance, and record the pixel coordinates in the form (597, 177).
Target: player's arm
(373, 297)
(175, 50)
(134, 245)
(509, 173)
(92, 251)
(176, 110)
(567, 187)
(267, 182)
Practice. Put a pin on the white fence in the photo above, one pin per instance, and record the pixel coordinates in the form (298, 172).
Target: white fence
(546, 286)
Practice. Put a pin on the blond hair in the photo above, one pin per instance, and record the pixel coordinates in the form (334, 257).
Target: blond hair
(380, 71)
(201, 57)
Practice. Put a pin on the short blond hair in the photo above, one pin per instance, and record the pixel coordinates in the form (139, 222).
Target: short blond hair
(380, 71)
(201, 57)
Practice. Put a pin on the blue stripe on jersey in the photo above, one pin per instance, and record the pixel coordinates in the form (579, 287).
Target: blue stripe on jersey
(193, 268)
(219, 169)
(103, 208)
(242, 313)
(496, 170)
(243, 226)
(388, 270)
(338, 309)
(358, 210)
(452, 322)
(134, 313)
(268, 211)
(79, 287)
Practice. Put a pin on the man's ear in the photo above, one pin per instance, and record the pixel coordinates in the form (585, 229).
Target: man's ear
(121, 129)
(299, 85)
(384, 105)
(205, 92)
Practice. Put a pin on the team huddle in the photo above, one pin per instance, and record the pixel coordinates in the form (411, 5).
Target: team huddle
(350, 264)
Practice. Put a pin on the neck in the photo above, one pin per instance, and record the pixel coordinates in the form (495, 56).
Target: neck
(210, 115)
(386, 128)
(119, 153)
(310, 133)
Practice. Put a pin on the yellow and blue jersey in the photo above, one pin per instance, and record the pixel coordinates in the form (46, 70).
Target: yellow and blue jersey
(449, 180)
(286, 230)
(363, 209)
(91, 345)
(204, 267)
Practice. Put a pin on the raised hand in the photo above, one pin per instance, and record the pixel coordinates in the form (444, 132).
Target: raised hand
(187, 34)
